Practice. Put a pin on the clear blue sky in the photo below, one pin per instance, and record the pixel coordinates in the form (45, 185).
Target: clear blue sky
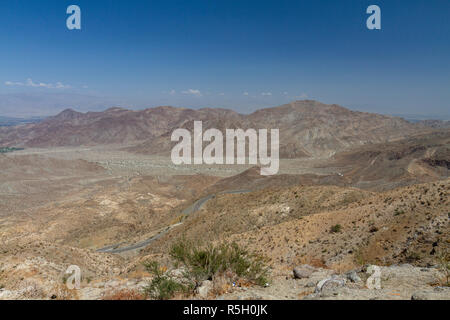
(224, 53)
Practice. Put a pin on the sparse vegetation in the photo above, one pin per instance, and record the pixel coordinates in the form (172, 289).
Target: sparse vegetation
(9, 149)
(162, 287)
(373, 229)
(443, 258)
(204, 263)
(413, 257)
(360, 258)
(336, 228)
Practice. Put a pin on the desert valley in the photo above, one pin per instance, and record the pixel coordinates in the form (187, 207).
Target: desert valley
(99, 190)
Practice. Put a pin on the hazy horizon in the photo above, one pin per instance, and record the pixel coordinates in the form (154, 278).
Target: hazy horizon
(101, 108)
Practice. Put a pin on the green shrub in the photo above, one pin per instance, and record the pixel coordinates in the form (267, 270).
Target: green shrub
(162, 287)
(203, 262)
(336, 228)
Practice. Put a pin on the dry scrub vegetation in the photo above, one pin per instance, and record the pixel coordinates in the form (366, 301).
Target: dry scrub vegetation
(228, 262)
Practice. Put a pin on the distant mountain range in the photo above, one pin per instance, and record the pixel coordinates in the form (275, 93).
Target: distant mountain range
(307, 128)
(436, 124)
(38, 104)
(7, 121)
(421, 117)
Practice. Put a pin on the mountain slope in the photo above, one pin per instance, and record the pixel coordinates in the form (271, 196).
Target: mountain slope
(297, 224)
(416, 159)
(307, 128)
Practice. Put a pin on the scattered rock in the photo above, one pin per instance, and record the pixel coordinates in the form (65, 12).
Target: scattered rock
(303, 271)
(6, 294)
(438, 293)
(112, 284)
(329, 285)
(353, 276)
(177, 273)
(205, 288)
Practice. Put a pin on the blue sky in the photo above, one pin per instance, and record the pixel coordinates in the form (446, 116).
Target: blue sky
(242, 55)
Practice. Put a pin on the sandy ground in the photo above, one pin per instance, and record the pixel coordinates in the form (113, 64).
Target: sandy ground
(118, 161)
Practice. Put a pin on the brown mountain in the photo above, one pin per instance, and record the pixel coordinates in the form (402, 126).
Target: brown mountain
(113, 126)
(416, 159)
(307, 128)
(318, 129)
(435, 124)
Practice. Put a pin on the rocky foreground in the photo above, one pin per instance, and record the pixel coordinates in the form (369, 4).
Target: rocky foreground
(401, 282)
(397, 282)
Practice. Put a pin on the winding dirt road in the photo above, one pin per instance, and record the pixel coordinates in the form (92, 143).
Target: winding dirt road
(193, 208)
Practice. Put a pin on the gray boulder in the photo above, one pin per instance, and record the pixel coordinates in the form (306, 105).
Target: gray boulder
(331, 284)
(204, 289)
(353, 276)
(303, 271)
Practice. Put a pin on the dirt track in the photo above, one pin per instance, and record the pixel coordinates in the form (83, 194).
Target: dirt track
(196, 206)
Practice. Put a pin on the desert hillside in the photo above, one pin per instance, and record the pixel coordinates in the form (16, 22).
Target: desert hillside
(416, 159)
(97, 190)
(307, 128)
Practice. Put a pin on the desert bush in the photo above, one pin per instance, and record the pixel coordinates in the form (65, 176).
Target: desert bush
(336, 228)
(413, 257)
(443, 258)
(203, 262)
(162, 287)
